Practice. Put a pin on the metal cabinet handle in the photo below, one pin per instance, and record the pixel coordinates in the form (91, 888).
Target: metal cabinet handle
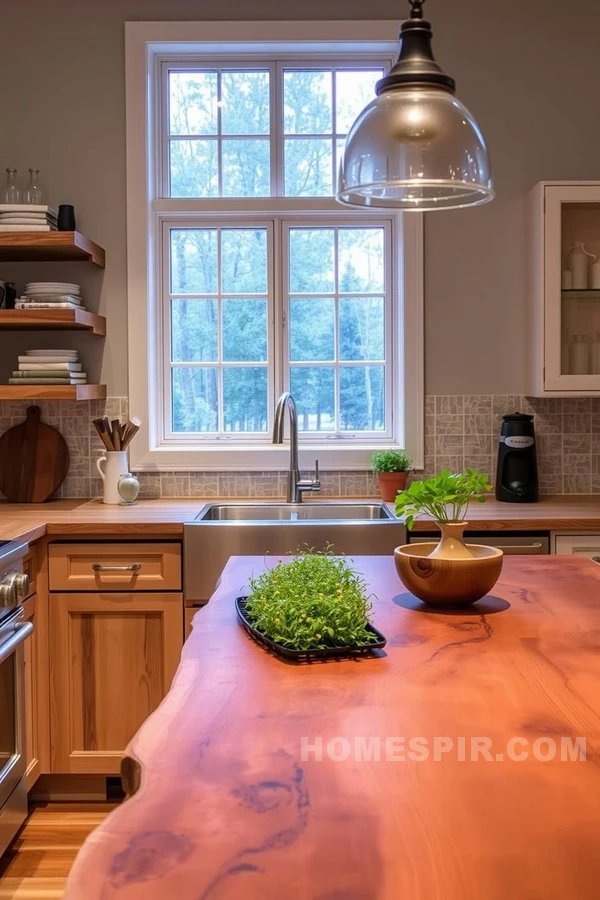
(520, 546)
(18, 636)
(134, 567)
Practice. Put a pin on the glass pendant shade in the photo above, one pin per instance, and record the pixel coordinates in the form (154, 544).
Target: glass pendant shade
(415, 146)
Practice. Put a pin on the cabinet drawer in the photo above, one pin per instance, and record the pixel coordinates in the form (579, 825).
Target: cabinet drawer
(115, 567)
(579, 545)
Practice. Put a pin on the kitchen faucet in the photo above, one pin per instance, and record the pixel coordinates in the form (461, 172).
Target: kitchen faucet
(295, 485)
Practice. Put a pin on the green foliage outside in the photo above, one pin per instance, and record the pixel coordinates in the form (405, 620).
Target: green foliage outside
(315, 601)
(391, 461)
(444, 497)
(234, 262)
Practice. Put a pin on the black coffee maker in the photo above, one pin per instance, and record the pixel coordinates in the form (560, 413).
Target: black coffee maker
(516, 475)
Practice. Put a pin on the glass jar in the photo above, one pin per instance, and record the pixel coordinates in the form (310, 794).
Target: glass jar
(33, 192)
(12, 191)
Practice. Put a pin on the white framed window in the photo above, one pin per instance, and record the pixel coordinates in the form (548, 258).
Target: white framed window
(245, 277)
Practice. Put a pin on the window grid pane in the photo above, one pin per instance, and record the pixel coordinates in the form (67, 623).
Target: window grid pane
(348, 394)
(320, 105)
(210, 109)
(219, 344)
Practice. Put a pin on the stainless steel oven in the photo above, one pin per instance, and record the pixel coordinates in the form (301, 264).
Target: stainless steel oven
(13, 632)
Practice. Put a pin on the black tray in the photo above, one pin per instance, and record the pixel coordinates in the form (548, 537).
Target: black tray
(306, 655)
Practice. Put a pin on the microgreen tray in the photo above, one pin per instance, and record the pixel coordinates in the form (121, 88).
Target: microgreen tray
(306, 655)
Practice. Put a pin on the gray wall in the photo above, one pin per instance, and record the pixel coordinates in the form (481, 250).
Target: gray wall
(528, 70)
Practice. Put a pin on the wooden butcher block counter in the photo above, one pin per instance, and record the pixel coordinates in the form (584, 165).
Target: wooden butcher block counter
(85, 518)
(230, 806)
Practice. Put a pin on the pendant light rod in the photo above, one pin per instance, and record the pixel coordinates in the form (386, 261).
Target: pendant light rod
(416, 64)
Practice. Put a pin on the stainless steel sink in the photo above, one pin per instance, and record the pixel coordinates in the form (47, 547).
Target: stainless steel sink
(256, 528)
(315, 511)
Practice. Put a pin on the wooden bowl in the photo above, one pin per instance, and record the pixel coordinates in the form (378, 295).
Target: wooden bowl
(449, 583)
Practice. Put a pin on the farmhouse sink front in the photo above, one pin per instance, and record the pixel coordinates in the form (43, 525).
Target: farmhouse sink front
(257, 528)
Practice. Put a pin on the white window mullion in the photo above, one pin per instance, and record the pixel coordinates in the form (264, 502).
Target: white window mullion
(277, 317)
(283, 331)
(162, 112)
(219, 133)
(336, 332)
(164, 350)
(334, 130)
(220, 380)
(276, 114)
(279, 131)
(392, 318)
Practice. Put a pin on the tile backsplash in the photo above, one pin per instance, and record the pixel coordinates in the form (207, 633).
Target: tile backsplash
(463, 431)
(459, 431)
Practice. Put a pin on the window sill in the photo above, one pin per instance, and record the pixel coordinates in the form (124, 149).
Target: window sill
(251, 459)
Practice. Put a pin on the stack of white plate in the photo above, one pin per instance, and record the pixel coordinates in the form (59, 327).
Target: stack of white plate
(49, 295)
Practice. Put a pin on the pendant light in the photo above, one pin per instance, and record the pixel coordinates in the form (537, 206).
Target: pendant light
(415, 146)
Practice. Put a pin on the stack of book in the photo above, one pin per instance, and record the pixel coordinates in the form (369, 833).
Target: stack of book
(50, 295)
(27, 217)
(49, 367)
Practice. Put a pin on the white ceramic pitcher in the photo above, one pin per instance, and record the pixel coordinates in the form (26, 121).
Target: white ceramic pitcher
(111, 467)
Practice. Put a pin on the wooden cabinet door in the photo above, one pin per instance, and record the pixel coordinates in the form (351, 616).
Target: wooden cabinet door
(124, 566)
(112, 659)
(32, 718)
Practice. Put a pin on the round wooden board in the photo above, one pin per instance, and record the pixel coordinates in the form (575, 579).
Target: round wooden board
(34, 460)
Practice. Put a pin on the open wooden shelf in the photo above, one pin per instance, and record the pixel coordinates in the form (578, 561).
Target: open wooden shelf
(49, 246)
(52, 319)
(52, 392)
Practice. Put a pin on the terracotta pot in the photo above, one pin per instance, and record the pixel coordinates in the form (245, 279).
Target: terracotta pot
(390, 483)
(448, 574)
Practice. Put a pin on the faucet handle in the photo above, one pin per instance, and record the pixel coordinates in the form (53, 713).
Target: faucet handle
(317, 482)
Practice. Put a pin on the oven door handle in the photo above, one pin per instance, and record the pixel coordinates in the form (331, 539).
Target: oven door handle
(20, 633)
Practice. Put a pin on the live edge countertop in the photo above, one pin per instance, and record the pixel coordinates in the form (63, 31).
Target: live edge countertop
(229, 806)
(147, 518)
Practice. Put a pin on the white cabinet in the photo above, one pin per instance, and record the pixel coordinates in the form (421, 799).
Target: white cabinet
(564, 321)
(578, 545)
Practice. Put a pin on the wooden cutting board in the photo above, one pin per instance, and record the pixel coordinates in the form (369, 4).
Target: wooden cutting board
(34, 460)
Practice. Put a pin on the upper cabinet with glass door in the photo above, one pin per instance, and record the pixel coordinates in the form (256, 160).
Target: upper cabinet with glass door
(564, 230)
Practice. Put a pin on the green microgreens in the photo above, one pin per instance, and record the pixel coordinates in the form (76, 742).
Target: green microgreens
(316, 601)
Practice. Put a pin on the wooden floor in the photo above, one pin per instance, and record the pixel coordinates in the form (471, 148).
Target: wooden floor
(38, 863)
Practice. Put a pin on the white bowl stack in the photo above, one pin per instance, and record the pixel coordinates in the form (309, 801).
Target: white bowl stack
(49, 367)
(50, 295)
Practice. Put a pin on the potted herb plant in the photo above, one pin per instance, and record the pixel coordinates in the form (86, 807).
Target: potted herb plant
(315, 604)
(392, 468)
(448, 572)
